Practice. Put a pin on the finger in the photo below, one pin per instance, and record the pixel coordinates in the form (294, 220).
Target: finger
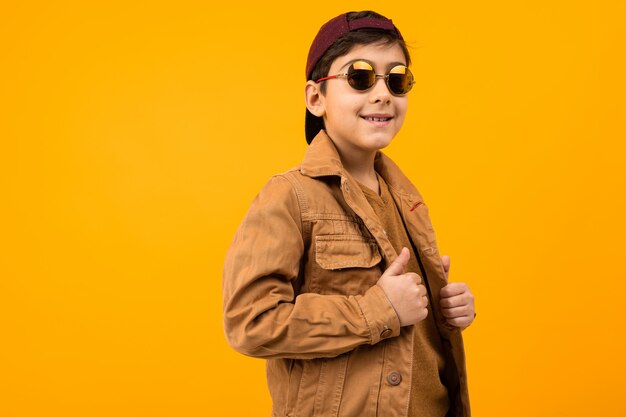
(456, 301)
(421, 290)
(415, 277)
(460, 321)
(445, 260)
(451, 313)
(398, 266)
(421, 301)
(452, 289)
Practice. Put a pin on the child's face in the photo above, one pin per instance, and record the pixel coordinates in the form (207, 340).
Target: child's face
(348, 112)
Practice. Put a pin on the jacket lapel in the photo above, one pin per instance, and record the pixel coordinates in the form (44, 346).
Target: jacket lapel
(322, 159)
(414, 214)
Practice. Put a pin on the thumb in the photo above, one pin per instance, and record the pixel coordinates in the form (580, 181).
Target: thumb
(445, 260)
(398, 266)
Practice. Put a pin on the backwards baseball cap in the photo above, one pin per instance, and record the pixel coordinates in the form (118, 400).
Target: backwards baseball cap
(328, 34)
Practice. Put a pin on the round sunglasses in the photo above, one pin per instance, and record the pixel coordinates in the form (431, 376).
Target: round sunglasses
(361, 76)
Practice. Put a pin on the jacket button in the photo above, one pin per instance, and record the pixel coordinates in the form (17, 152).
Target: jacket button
(385, 333)
(394, 378)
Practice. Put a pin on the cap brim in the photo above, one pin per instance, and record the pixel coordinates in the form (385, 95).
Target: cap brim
(312, 126)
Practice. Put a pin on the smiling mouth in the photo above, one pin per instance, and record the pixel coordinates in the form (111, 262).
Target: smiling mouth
(376, 119)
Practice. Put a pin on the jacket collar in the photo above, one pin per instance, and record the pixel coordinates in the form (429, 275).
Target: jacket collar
(322, 159)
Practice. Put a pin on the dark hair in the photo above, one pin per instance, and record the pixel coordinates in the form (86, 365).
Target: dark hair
(363, 36)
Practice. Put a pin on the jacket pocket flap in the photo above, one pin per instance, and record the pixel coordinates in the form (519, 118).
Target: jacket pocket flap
(346, 251)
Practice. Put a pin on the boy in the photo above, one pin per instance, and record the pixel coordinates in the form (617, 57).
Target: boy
(334, 274)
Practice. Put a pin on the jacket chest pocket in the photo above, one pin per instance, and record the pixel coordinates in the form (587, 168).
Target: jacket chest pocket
(345, 264)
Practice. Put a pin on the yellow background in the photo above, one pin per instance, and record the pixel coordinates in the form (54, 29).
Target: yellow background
(135, 134)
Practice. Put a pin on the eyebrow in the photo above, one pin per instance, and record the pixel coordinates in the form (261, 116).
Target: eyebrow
(389, 66)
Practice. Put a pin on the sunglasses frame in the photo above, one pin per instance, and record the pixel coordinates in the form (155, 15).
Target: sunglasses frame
(376, 76)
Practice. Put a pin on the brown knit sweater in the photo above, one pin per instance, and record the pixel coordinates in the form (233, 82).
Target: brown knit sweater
(429, 396)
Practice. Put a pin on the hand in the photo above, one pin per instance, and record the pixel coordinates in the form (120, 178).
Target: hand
(458, 307)
(405, 291)
(457, 303)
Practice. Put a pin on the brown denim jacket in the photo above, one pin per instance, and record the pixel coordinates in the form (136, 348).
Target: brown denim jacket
(299, 289)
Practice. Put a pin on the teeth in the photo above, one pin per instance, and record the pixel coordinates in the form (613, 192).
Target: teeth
(377, 119)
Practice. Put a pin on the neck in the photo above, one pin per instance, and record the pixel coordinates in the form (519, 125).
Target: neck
(360, 165)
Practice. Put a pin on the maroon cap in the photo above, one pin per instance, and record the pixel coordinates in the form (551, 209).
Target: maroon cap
(328, 34)
(335, 29)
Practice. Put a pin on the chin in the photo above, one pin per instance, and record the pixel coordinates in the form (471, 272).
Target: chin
(378, 141)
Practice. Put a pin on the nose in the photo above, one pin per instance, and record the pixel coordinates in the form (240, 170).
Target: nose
(379, 92)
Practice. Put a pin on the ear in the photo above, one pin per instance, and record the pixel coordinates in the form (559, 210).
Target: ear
(314, 98)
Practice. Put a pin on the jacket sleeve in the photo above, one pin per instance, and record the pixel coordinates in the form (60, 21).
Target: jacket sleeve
(264, 317)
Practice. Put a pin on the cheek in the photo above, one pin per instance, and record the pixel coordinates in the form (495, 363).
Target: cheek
(403, 105)
(402, 108)
(343, 109)
(348, 102)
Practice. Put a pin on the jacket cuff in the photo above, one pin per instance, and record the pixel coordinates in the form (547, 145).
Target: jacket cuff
(379, 314)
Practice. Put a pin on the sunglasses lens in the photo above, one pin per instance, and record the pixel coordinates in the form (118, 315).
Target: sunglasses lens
(400, 80)
(361, 75)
